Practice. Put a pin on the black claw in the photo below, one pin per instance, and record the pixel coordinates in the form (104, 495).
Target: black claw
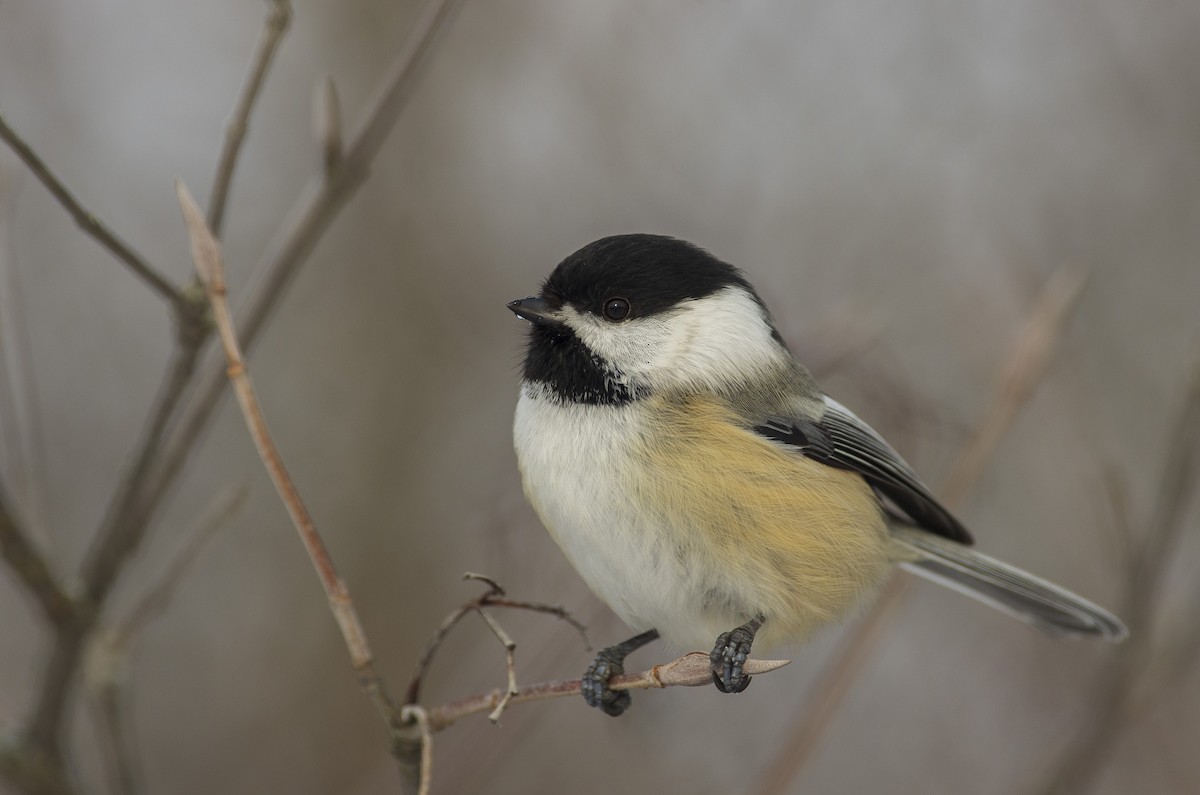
(610, 662)
(730, 653)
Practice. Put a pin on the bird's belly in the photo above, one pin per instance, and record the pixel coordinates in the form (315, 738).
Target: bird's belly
(574, 462)
(695, 538)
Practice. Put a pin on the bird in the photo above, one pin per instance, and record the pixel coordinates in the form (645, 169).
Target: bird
(705, 487)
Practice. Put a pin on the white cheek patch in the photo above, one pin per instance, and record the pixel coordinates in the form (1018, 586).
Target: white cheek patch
(706, 342)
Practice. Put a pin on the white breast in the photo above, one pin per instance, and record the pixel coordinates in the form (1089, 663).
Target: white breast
(574, 459)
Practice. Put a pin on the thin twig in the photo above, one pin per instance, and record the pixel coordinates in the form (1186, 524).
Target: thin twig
(32, 569)
(493, 597)
(90, 224)
(274, 26)
(309, 219)
(23, 414)
(415, 713)
(1021, 371)
(123, 528)
(157, 596)
(111, 717)
(327, 124)
(138, 498)
(206, 254)
(135, 499)
(1132, 679)
(690, 670)
(413, 692)
(510, 662)
(1020, 374)
(108, 654)
(113, 545)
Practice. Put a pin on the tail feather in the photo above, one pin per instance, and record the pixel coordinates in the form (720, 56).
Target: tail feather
(1035, 601)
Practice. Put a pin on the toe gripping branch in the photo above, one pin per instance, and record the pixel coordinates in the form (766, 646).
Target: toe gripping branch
(730, 654)
(609, 663)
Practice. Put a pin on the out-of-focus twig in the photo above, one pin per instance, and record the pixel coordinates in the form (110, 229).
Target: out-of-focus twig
(1132, 679)
(1020, 374)
(22, 441)
(87, 221)
(327, 123)
(160, 460)
(495, 596)
(1021, 371)
(309, 219)
(275, 25)
(111, 717)
(155, 599)
(31, 568)
(108, 653)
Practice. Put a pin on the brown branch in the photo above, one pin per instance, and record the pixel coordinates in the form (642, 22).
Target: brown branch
(414, 713)
(493, 597)
(309, 219)
(108, 653)
(31, 568)
(125, 522)
(155, 599)
(90, 224)
(1132, 677)
(1021, 371)
(690, 670)
(113, 727)
(510, 663)
(1020, 374)
(118, 537)
(274, 26)
(206, 254)
(327, 124)
(160, 460)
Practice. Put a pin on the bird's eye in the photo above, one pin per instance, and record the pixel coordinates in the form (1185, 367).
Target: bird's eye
(616, 309)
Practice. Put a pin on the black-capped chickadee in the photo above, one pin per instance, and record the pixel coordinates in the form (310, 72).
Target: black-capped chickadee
(702, 483)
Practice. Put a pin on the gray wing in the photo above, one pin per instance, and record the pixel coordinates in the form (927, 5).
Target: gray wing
(840, 439)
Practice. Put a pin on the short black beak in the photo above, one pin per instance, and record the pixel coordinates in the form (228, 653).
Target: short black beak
(535, 310)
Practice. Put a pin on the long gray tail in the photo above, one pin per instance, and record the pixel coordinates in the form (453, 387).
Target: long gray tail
(1035, 601)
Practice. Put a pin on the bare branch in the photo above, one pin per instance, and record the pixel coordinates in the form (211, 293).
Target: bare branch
(274, 26)
(31, 568)
(156, 598)
(414, 713)
(1133, 677)
(691, 670)
(128, 515)
(510, 663)
(327, 124)
(1020, 373)
(159, 461)
(113, 726)
(87, 221)
(558, 611)
(206, 253)
(493, 597)
(309, 220)
(108, 653)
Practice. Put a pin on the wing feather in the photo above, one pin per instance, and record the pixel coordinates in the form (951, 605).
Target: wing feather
(840, 439)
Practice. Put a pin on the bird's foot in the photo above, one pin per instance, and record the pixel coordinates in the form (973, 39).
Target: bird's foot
(610, 662)
(730, 654)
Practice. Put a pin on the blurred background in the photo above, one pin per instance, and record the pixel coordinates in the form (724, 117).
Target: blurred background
(899, 179)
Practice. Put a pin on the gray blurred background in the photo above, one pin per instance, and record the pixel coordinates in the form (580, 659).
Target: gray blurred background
(897, 178)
